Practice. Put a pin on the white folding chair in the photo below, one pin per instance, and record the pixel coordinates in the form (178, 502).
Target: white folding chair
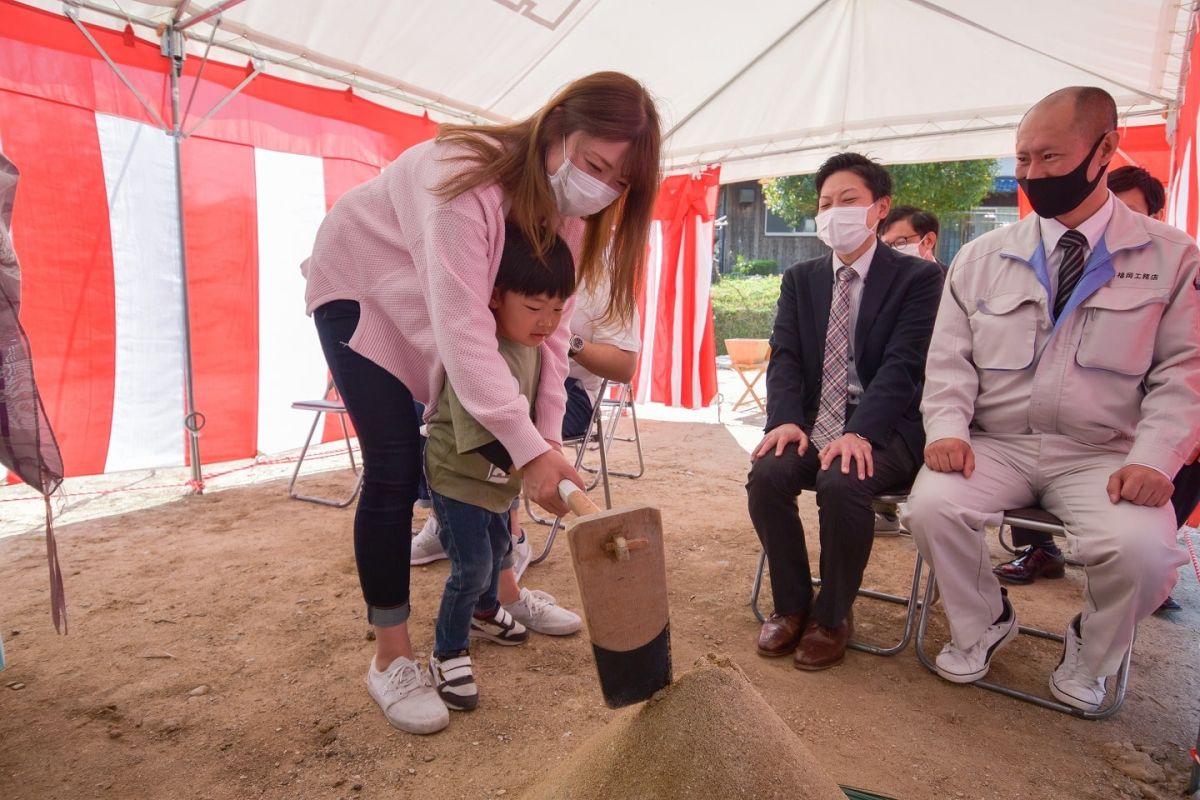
(616, 411)
(331, 403)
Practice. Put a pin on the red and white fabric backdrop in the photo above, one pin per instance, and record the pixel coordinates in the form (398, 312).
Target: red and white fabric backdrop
(678, 362)
(96, 224)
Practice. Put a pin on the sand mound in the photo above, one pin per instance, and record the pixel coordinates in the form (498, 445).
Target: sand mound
(710, 735)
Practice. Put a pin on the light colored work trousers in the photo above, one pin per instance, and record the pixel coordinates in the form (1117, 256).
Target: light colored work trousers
(1129, 552)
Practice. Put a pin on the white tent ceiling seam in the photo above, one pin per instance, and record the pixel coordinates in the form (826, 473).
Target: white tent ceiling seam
(766, 87)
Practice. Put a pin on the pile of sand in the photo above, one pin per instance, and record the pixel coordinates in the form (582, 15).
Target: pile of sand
(709, 735)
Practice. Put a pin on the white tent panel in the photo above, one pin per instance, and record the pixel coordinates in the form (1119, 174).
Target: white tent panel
(765, 87)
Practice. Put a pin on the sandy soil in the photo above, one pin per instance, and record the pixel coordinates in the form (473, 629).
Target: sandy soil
(217, 650)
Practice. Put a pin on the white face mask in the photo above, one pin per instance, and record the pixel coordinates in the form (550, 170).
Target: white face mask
(844, 228)
(910, 249)
(577, 193)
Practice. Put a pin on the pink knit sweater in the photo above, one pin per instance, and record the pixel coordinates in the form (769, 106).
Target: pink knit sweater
(422, 271)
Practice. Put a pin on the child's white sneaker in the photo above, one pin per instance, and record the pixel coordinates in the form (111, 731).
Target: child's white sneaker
(455, 681)
(405, 694)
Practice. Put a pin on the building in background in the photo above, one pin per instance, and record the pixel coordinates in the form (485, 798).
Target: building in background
(747, 228)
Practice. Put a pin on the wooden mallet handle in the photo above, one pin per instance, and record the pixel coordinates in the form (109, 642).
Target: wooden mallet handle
(577, 499)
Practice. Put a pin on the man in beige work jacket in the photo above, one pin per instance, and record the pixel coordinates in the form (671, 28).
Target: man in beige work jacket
(1064, 372)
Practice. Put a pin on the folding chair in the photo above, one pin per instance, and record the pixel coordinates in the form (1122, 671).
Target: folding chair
(616, 411)
(595, 434)
(912, 602)
(330, 404)
(1043, 521)
(749, 356)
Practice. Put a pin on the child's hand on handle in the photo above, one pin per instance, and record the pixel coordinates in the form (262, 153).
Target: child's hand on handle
(541, 477)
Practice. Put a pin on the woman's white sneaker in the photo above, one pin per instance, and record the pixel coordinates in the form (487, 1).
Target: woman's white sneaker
(539, 612)
(455, 681)
(405, 694)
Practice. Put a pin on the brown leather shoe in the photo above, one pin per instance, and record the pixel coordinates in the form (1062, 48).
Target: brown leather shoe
(821, 647)
(780, 633)
(1031, 563)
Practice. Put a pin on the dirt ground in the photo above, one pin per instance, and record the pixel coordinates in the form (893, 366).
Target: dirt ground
(217, 650)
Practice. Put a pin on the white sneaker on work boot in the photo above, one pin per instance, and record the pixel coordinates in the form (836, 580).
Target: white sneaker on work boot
(426, 547)
(539, 612)
(405, 694)
(522, 555)
(1071, 682)
(967, 665)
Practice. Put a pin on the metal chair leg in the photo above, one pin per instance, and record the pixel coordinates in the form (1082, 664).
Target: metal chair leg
(910, 616)
(626, 401)
(324, 501)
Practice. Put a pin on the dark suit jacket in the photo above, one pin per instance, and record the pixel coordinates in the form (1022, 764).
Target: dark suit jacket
(895, 321)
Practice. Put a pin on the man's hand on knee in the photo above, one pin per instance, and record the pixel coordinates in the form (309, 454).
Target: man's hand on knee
(851, 448)
(950, 455)
(779, 438)
(1142, 486)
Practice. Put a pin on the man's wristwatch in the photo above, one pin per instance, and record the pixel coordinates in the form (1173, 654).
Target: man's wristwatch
(574, 345)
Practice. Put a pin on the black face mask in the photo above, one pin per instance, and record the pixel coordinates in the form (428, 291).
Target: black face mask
(1060, 194)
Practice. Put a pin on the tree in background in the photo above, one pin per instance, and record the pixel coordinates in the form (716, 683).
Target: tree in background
(943, 188)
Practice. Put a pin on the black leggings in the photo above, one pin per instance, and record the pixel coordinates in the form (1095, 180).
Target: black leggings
(381, 408)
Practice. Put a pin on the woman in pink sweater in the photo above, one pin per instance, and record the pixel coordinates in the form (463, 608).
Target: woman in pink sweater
(399, 283)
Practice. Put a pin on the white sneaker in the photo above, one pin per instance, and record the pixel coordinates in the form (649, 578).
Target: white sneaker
(501, 629)
(1071, 683)
(406, 696)
(426, 547)
(538, 611)
(959, 665)
(522, 555)
(455, 682)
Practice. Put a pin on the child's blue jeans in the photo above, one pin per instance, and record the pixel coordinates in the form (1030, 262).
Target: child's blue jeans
(476, 541)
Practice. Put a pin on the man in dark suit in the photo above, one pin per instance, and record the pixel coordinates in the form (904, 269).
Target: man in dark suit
(843, 416)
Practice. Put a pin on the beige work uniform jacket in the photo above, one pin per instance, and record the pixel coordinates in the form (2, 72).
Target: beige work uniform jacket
(1119, 370)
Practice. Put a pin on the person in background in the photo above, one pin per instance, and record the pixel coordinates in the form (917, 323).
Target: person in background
(914, 232)
(1039, 556)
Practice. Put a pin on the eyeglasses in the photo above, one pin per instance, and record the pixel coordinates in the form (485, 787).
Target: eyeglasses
(904, 240)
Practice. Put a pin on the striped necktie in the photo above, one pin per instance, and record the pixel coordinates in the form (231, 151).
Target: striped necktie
(835, 374)
(1074, 247)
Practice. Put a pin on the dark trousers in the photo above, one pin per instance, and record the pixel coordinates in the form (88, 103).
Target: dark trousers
(847, 524)
(578, 412)
(1184, 499)
(381, 408)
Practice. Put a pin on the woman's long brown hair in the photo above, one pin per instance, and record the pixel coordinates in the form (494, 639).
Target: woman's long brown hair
(605, 105)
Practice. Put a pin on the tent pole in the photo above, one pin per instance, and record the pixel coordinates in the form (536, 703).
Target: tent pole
(193, 421)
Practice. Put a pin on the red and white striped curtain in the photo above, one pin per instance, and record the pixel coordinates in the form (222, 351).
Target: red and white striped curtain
(96, 221)
(678, 362)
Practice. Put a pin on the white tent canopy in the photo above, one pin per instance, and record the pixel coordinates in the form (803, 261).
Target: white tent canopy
(762, 87)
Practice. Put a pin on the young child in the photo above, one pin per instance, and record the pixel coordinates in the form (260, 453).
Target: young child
(472, 503)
